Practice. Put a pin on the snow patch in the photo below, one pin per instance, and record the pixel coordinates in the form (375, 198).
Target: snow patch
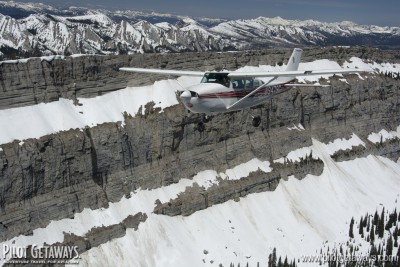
(47, 118)
(299, 127)
(26, 60)
(343, 144)
(356, 62)
(331, 148)
(384, 135)
(243, 170)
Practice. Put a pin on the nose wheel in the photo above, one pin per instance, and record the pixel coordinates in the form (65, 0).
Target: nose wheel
(201, 125)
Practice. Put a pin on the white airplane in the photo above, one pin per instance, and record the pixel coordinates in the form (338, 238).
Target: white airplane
(224, 91)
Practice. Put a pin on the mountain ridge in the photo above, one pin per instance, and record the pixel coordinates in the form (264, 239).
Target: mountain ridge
(35, 30)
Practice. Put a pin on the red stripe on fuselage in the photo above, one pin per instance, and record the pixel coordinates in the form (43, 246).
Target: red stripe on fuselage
(270, 90)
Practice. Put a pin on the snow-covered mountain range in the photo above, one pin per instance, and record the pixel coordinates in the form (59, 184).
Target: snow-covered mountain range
(38, 29)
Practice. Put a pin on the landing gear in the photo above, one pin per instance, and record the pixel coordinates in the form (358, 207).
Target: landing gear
(205, 118)
(201, 125)
(256, 121)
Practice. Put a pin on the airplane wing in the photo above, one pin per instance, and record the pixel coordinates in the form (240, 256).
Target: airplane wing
(166, 72)
(295, 73)
(244, 74)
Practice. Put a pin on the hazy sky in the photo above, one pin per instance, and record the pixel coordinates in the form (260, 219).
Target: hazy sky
(384, 12)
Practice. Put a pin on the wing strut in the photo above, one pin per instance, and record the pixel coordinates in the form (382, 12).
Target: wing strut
(251, 93)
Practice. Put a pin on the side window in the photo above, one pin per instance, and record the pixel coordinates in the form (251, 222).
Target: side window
(238, 84)
(249, 84)
(221, 78)
(257, 83)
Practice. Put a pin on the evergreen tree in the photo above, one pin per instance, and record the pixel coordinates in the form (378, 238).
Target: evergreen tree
(285, 263)
(381, 226)
(389, 246)
(372, 234)
(351, 234)
(376, 218)
(365, 220)
(391, 221)
(280, 262)
(273, 258)
(368, 224)
(388, 225)
(270, 260)
(361, 227)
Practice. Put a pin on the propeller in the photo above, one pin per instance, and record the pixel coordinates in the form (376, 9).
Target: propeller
(186, 95)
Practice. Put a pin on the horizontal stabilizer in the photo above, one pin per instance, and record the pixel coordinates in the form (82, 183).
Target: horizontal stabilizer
(306, 85)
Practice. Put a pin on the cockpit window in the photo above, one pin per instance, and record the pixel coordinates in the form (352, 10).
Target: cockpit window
(246, 83)
(221, 78)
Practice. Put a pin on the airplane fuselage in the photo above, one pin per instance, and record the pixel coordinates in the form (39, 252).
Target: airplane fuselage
(212, 96)
(226, 91)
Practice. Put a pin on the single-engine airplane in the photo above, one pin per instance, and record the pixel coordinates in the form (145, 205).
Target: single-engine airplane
(224, 91)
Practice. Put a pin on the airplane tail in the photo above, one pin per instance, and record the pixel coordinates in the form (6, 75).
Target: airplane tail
(293, 63)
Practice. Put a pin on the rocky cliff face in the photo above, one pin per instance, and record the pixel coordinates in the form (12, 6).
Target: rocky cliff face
(58, 175)
(43, 80)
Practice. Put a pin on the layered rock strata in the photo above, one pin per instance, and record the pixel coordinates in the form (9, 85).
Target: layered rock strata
(58, 175)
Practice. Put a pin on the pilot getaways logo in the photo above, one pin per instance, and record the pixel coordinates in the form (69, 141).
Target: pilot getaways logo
(39, 254)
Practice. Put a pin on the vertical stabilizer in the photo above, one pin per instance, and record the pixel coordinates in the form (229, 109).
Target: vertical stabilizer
(293, 63)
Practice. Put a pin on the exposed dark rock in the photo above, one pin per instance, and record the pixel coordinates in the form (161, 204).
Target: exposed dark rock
(77, 245)
(196, 198)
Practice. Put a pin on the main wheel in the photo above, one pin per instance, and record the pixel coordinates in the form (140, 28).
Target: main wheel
(205, 118)
(256, 121)
(200, 126)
